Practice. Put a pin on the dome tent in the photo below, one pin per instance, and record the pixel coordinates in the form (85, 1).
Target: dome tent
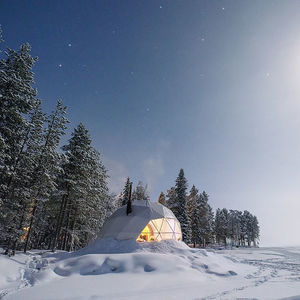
(149, 221)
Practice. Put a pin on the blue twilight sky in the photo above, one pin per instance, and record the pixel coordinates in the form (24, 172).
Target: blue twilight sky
(209, 86)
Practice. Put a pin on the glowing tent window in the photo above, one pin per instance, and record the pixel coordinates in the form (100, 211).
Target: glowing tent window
(160, 229)
(146, 235)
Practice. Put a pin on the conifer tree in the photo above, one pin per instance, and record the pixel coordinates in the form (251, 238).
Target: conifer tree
(206, 219)
(222, 225)
(85, 202)
(43, 178)
(171, 199)
(18, 104)
(192, 202)
(193, 211)
(180, 210)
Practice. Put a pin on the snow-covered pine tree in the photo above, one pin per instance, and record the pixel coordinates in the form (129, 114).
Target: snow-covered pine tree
(255, 231)
(162, 199)
(126, 191)
(43, 177)
(222, 226)
(234, 227)
(206, 219)
(250, 228)
(140, 192)
(17, 105)
(95, 208)
(85, 201)
(180, 208)
(191, 202)
(193, 212)
(171, 199)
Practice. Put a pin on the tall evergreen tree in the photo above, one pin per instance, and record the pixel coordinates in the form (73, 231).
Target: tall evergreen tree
(85, 201)
(171, 199)
(43, 178)
(18, 104)
(206, 219)
(192, 201)
(180, 209)
(222, 225)
(193, 212)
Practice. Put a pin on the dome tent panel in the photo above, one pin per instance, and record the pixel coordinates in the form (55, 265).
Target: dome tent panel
(148, 222)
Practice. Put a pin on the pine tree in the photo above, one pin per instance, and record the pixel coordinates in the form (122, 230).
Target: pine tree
(43, 178)
(192, 202)
(206, 219)
(193, 211)
(254, 231)
(85, 202)
(18, 104)
(162, 199)
(222, 225)
(180, 209)
(171, 199)
(235, 227)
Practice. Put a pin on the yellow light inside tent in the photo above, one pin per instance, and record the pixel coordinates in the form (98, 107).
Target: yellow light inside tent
(146, 235)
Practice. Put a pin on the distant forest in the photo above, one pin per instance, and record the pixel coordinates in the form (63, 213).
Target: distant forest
(200, 226)
(58, 198)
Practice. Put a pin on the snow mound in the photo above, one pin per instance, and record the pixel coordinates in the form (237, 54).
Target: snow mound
(112, 256)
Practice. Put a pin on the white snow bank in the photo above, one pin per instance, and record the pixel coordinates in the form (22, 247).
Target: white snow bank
(165, 270)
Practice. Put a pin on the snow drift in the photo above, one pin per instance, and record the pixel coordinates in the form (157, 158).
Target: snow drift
(111, 269)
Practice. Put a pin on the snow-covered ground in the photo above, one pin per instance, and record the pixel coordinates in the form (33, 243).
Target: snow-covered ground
(165, 270)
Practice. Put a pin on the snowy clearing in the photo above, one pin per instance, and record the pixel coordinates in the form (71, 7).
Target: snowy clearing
(165, 270)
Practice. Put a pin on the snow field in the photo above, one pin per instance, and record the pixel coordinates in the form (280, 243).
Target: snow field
(165, 270)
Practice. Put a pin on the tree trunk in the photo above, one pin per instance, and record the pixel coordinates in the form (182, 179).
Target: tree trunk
(30, 227)
(72, 230)
(61, 217)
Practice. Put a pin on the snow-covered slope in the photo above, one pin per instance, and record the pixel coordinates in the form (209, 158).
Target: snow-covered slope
(108, 269)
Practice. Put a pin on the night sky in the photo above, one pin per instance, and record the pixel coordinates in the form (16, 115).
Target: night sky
(209, 86)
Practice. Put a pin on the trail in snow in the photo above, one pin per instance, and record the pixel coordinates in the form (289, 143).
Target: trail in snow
(275, 267)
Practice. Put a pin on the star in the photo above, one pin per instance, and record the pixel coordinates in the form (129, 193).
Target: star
(147, 109)
(223, 8)
(60, 65)
(202, 39)
(160, 6)
(70, 45)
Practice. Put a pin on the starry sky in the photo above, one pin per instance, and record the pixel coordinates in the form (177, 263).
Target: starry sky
(208, 86)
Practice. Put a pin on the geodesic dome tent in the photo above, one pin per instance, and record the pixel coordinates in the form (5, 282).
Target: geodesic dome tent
(149, 221)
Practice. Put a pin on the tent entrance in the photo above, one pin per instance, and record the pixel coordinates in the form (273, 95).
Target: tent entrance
(160, 229)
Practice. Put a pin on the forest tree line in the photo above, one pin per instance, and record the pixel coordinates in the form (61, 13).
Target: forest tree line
(199, 225)
(49, 197)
